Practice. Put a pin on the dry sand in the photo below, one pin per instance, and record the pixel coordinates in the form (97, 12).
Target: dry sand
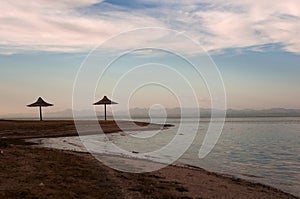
(28, 171)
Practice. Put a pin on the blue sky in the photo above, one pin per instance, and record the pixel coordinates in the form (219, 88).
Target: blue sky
(256, 46)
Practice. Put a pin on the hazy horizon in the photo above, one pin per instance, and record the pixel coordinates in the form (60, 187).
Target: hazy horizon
(138, 112)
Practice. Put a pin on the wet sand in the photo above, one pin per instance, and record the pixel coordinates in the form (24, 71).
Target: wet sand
(29, 171)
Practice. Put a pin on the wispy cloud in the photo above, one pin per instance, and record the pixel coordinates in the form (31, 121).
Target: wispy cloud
(217, 24)
(57, 26)
(220, 24)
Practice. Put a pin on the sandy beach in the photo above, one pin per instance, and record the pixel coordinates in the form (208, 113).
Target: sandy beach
(29, 171)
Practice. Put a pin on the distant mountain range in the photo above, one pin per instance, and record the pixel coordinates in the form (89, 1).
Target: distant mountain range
(205, 112)
(171, 112)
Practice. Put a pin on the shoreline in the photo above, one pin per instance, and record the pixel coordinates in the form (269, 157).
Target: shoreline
(225, 176)
(50, 168)
(34, 171)
(26, 129)
(180, 166)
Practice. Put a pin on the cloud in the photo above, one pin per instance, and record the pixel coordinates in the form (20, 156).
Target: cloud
(56, 26)
(70, 26)
(223, 24)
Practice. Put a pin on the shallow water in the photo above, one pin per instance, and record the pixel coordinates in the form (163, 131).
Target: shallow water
(265, 150)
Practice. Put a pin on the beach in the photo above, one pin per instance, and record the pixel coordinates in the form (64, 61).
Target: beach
(30, 171)
(24, 129)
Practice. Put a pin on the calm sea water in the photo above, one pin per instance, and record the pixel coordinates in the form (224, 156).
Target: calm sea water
(264, 150)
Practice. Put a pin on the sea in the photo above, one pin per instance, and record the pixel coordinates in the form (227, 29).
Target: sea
(263, 150)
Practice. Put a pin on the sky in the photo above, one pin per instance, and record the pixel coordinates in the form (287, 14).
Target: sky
(255, 45)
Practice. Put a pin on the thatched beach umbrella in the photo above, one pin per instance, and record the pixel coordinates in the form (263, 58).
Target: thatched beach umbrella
(40, 103)
(104, 101)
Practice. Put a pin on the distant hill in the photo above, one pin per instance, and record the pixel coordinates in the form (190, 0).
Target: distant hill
(192, 112)
(170, 112)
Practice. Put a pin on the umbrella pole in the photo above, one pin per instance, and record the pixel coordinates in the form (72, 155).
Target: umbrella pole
(105, 111)
(41, 116)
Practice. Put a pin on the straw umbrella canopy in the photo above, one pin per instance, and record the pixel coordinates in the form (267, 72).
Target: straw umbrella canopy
(104, 101)
(40, 103)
